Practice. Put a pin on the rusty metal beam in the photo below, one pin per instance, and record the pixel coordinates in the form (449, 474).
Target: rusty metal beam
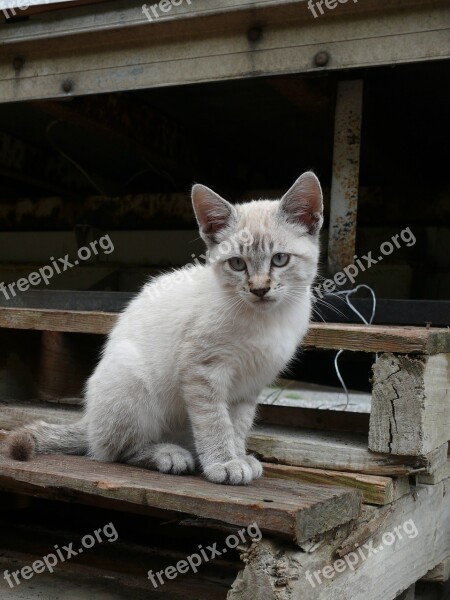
(345, 182)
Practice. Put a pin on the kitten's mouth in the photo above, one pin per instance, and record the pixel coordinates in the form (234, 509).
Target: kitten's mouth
(264, 301)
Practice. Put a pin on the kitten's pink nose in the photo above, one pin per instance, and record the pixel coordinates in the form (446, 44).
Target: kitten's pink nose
(260, 292)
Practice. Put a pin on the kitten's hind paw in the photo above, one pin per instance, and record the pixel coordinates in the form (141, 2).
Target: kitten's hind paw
(255, 466)
(233, 472)
(170, 458)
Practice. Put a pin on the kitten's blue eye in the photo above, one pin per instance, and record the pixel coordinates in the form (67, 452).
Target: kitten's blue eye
(280, 259)
(237, 263)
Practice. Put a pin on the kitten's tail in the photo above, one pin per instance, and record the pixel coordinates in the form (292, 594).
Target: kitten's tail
(44, 438)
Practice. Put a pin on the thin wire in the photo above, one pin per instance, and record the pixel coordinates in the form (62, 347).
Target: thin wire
(346, 294)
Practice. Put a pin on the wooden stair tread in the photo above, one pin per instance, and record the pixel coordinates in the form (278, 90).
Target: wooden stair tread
(337, 451)
(363, 338)
(294, 510)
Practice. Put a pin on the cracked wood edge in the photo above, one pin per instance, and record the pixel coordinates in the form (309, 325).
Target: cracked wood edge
(410, 404)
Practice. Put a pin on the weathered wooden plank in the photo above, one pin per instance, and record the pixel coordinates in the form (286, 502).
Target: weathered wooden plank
(375, 490)
(114, 60)
(335, 451)
(57, 320)
(297, 511)
(363, 338)
(421, 520)
(15, 414)
(378, 338)
(410, 404)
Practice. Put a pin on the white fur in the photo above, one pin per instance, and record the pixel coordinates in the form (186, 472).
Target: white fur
(182, 368)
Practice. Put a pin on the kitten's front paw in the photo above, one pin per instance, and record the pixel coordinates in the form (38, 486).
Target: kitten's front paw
(173, 459)
(254, 465)
(233, 472)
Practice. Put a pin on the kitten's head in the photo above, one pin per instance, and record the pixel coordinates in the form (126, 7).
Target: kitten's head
(265, 251)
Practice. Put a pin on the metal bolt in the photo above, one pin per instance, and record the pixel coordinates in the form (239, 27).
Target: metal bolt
(18, 63)
(322, 59)
(254, 34)
(67, 86)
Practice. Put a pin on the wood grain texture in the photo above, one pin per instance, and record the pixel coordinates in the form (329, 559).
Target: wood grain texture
(336, 452)
(275, 570)
(410, 404)
(362, 338)
(293, 510)
(375, 489)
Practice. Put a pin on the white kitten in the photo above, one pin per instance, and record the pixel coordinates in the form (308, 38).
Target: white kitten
(187, 359)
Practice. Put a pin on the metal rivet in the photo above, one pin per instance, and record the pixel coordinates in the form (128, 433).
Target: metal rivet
(67, 86)
(322, 59)
(18, 63)
(254, 34)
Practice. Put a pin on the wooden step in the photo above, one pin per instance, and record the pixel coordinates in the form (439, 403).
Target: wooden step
(293, 510)
(375, 489)
(362, 338)
(334, 451)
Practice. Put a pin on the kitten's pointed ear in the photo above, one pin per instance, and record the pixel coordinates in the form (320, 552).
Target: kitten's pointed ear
(303, 203)
(213, 212)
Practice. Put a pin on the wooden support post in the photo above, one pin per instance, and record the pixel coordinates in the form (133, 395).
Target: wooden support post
(344, 186)
(410, 404)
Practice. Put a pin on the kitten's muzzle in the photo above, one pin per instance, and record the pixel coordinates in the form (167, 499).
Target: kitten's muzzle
(260, 292)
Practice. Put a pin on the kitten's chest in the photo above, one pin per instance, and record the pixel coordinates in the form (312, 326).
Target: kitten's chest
(261, 357)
